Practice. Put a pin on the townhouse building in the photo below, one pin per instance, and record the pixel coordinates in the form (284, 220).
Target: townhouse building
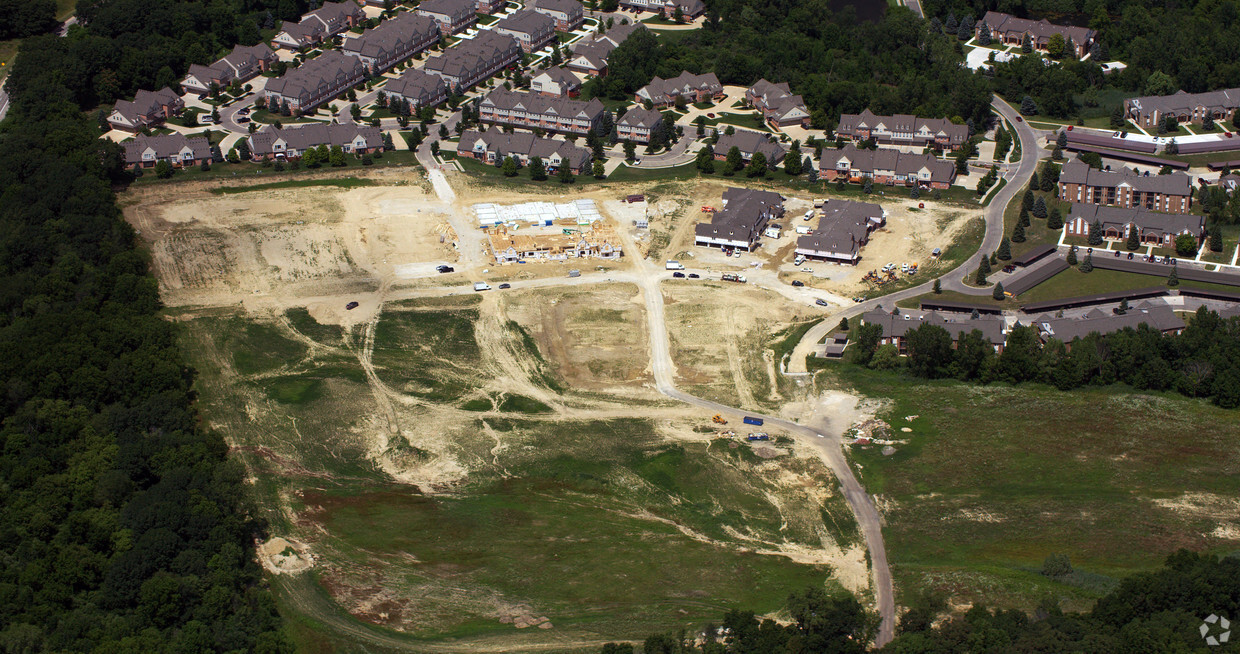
(1078, 182)
(176, 148)
(1010, 30)
(777, 103)
(557, 82)
(490, 6)
(903, 129)
(293, 141)
(750, 142)
(693, 88)
(844, 227)
(417, 87)
(453, 15)
(147, 109)
(1157, 229)
(1157, 316)
(638, 124)
(316, 81)
(393, 41)
(531, 29)
(897, 324)
(887, 166)
(475, 60)
(690, 9)
(568, 14)
(590, 55)
(241, 65)
(1150, 111)
(492, 146)
(740, 223)
(322, 23)
(534, 111)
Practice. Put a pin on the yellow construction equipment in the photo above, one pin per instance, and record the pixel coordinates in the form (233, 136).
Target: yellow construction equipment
(718, 419)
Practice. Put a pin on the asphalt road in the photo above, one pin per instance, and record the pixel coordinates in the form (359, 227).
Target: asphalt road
(1016, 178)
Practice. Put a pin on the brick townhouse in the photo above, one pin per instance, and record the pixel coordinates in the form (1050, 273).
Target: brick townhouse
(291, 142)
(1153, 228)
(533, 111)
(778, 105)
(1010, 30)
(638, 124)
(322, 23)
(903, 129)
(316, 81)
(589, 55)
(473, 61)
(749, 142)
(1150, 111)
(492, 146)
(693, 88)
(531, 29)
(417, 87)
(568, 14)
(147, 109)
(242, 64)
(1124, 188)
(393, 41)
(453, 15)
(177, 149)
(896, 326)
(887, 166)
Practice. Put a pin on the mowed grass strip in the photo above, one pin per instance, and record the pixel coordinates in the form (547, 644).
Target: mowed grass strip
(338, 182)
(995, 478)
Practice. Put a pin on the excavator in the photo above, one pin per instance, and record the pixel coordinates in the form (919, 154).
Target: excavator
(718, 420)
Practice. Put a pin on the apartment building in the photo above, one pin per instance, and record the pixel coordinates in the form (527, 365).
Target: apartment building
(1078, 182)
(393, 41)
(473, 61)
(903, 129)
(535, 111)
(316, 81)
(531, 29)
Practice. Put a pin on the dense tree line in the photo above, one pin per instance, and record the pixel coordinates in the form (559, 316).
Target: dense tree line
(1160, 611)
(1202, 361)
(123, 525)
(22, 18)
(890, 66)
(126, 45)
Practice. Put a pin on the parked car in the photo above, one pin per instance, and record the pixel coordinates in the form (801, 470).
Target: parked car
(350, 306)
(242, 120)
(445, 269)
(694, 276)
(206, 119)
(244, 111)
(822, 303)
(1009, 268)
(679, 275)
(797, 282)
(505, 285)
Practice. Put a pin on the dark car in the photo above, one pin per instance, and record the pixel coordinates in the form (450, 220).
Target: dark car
(678, 275)
(242, 120)
(822, 303)
(1009, 268)
(445, 269)
(797, 282)
(244, 111)
(350, 306)
(1130, 256)
(694, 276)
(505, 285)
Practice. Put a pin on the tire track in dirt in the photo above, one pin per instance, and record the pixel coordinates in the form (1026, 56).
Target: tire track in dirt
(743, 392)
(383, 394)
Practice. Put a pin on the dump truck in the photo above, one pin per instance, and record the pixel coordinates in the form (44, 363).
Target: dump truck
(718, 420)
(733, 277)
(750, 420)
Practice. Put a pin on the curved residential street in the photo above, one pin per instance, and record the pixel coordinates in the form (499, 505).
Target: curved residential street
(1031, 154)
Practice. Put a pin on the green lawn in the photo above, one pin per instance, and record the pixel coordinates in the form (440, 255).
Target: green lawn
(991, 479)
(254, 172)
(65, 9)
(339, 182)
(747, 121)
(623, 174)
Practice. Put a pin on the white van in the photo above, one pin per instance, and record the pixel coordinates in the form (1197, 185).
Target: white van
(800, 259)
(481, 286)
(673, 264)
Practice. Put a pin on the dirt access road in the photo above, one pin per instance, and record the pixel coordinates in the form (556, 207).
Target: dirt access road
(952, 281)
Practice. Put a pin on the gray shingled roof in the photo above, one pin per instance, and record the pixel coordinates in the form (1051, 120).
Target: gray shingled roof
(566, 6)
(843, 227)
(1148, 221)
(417, 86)
(750, 142)
(392, 34)
(685, 83)
(899, 325)
(165, 146)
(307, 136)
(523, 143)
(308, 78)
(640, 117)
(1079, 172)
(465, 59)
(527, 21)
(1159, 316)
(535, 103)
(1041, 30)
(450, 8)
(902, 163)
(902, 123)
(742, 213)
(1184, 103)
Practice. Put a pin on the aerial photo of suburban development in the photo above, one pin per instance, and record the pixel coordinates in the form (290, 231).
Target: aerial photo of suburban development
(619, 326)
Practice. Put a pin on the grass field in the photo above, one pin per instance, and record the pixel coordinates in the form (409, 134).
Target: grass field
(608, 527)
(339, 182)
(992, 479)
(623, 174)
(248, 171)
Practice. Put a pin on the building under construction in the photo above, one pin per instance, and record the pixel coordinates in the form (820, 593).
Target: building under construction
(511, 245)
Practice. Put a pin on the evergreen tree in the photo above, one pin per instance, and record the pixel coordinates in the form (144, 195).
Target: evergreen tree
(1216, 238)
(915, 193)
(630, 151)
(599, 171)
(1055, 219)
(1095, 233)
(792, 163)
(938, 286)
(1026, 201)
(510, 166)
(337, 156)
(757, 165)
(1133, 241)
(566, 173)
(984, 266)
(1004, 252)
(843, 324)
(1062, 139)
(1174, 279)
(868, 188)
(1039, 207)
(998, 292)
(735, 160)
(1018, 234)
(1023, 217)
(1033, 182)
(1088, 264)
(1072, 256)
(538, 172)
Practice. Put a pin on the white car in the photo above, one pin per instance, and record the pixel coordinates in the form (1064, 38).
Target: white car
(206, 119)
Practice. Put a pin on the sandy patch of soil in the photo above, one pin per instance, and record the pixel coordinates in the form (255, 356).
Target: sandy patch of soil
(285, 556)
